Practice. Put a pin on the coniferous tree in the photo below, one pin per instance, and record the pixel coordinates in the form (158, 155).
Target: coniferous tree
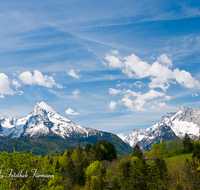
(196, 152)
(186, 140)
(187, 143)
(124, 173)
(57, 167)
(112, 153)
(137, 152)
(88, 146)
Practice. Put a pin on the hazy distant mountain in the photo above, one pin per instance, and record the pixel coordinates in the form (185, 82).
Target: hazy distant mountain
(172, 125)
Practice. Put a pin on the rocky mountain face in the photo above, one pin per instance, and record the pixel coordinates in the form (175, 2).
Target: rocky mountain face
(172, 125)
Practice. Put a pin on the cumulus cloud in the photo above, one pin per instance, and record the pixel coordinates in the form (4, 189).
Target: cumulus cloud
(74, 74)
(112, 105)
(71, 112)
(16, 83)
(159, 72)
(185, 79)
(114, 62)
(38, 79)
(161, 104)
(164, 60)
(139, 84)
(4, 86)
(128, 103)
(136, 101)
(113, 91)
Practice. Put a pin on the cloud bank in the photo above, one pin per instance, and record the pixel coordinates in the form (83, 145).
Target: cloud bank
(159, 74)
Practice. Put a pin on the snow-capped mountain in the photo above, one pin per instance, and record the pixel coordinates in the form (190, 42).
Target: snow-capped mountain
(43, 121)
(176, 124)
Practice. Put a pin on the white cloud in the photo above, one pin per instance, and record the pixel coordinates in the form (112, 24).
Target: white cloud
(74, 74)
(16, 83)
(193, 95)
(71, 112)
(120, 84)
(139, 84)
(185, 79)
(143, 98)
(38, 79)
(164, 60)
(159, 73)
(135, 101)
(4, 86)
(128, 103)
(161, 104)
(112, 105)
(114, 62)
(113, 91)
(76, 93)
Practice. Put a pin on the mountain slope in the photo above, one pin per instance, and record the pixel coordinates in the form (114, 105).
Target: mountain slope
(172, 125)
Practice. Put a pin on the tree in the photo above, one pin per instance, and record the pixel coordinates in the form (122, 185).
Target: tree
(186, 140)
(88, 146)
(96, 176)
(196, 152)
(187, 143)
(137, 152)
(124, 173)
(158, 175)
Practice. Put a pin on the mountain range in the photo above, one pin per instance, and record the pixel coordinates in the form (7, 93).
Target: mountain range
(172, 125)
(46, 131)
(44, 127)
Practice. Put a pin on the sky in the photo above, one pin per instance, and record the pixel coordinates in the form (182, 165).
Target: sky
(109, 65)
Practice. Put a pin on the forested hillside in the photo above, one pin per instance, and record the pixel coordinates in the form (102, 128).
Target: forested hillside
(171, 165)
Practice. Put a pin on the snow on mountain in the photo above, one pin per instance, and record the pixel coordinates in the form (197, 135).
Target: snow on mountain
(12, 127)
(176, 124)
(43, 121)
(121, 136)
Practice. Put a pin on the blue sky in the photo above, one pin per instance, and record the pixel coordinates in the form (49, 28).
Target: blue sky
(109, 65)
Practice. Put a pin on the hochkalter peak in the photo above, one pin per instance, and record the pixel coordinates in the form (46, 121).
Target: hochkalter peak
(174, 124)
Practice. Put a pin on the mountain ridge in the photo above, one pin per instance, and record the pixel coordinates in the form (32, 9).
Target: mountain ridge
(171, 125)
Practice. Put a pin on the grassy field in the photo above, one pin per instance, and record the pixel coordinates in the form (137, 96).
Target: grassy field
(176, 165)
(177, 160)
